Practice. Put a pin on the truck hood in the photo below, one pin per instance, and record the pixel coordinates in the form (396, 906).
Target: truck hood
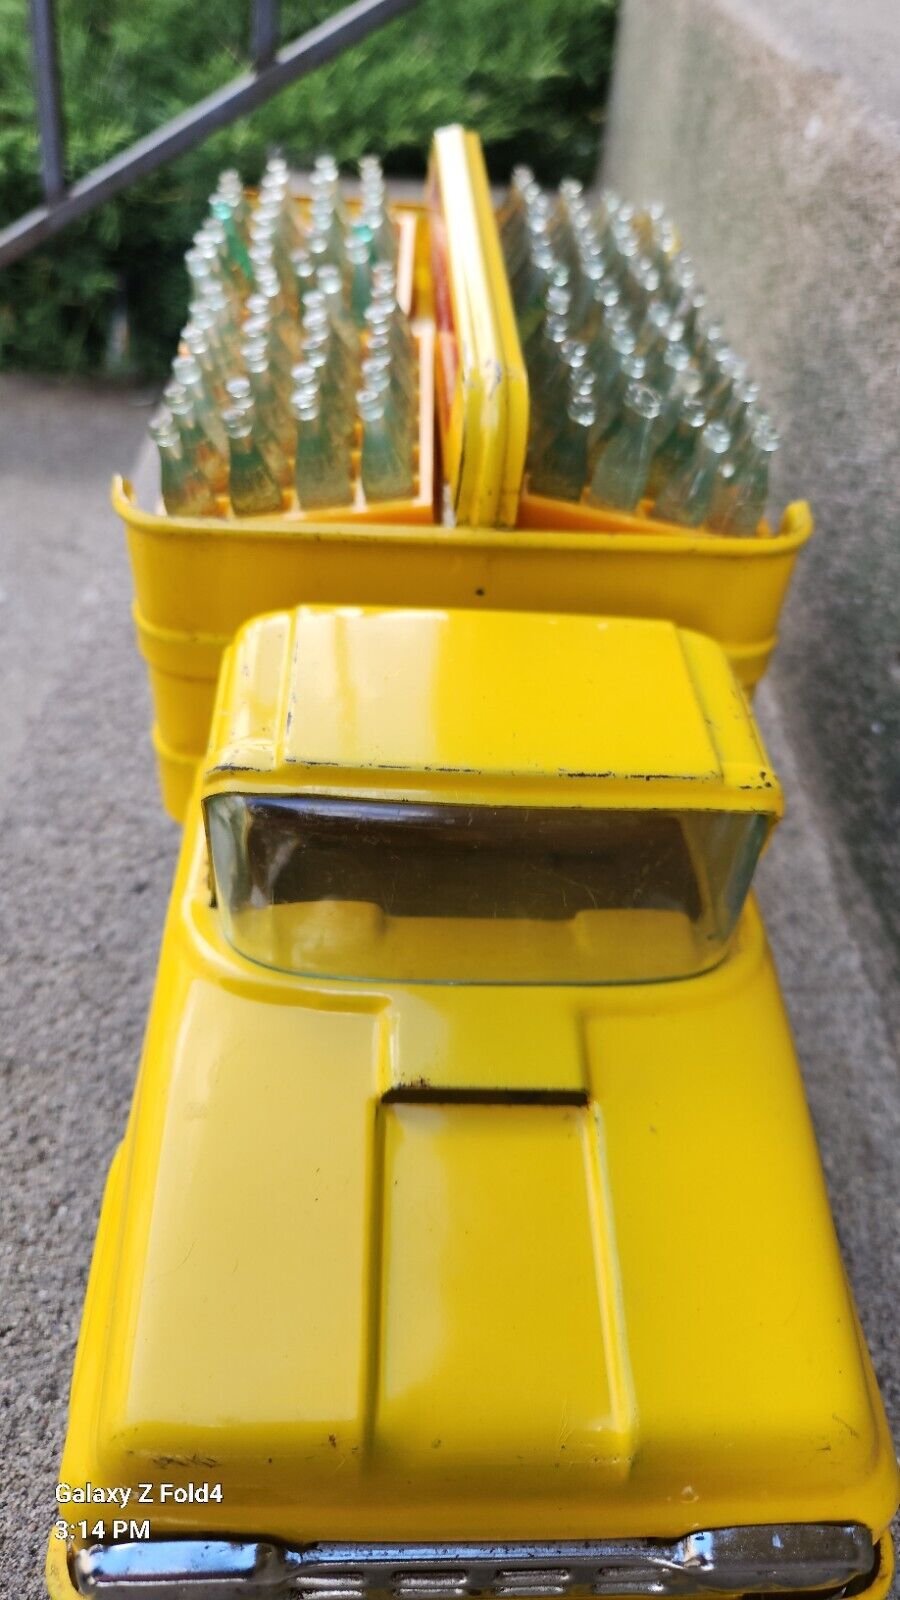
(474, 1263)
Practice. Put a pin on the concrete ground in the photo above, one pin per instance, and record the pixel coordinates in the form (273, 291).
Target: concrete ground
(85, 862)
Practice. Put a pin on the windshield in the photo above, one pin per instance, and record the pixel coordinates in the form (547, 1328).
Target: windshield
(368, 889)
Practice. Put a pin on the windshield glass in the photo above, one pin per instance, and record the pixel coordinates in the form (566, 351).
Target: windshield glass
(367, 889)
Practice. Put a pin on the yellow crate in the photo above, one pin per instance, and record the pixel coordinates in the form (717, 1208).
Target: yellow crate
(197, 581)
(420, 507)
(176, 770)
(535, 511)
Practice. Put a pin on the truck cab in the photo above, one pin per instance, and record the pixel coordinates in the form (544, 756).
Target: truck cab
(469, 1235)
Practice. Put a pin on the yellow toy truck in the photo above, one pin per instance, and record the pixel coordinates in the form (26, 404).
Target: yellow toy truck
(469, 1236)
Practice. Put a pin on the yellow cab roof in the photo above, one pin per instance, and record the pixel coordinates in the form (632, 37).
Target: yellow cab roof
(486, 707)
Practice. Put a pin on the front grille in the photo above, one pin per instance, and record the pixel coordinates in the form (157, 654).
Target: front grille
(791, 1558)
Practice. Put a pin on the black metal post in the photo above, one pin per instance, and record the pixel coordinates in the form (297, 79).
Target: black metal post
(191, 127)
(47, 97)
(264, 33)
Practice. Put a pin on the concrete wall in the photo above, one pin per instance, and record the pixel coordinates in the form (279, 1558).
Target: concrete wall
(771, 128)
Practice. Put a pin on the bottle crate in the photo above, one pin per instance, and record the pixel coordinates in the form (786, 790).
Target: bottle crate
(197, 579)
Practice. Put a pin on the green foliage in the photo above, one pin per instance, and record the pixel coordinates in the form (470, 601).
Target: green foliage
(530, 75)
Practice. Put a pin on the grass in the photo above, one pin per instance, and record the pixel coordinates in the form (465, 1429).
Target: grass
(530, 76)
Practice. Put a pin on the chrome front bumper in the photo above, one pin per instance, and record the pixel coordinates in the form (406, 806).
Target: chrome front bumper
(793, 1558)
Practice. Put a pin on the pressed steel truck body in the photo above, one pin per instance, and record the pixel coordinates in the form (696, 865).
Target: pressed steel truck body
(469, 1233)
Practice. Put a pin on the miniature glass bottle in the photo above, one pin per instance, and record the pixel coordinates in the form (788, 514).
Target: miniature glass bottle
(199, 448)
(678, 446)
(321, 471)
(240, 394)
(687, 496)
(360, 279)
(251, 485)
(741, 512)
(611, 392)
(188, 373)
(185, 490)
(386, 470)
(620, 475)
(561, 470)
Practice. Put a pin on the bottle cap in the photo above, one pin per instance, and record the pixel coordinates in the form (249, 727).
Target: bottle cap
(304, 374)
(692, 413)
(370, 405)
(746, 391)
(645, 401)
(305, 404)
(765, 437)
(254, 350)
(162, 428)
(575, 354)
(716, 437)
(237, 422)
(385, 278)
(623, 341)
(582, 410)
(187, 370)
(676, 356)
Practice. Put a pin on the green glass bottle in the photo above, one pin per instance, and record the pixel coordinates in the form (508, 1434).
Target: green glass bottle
(198, 347)
(687, 496)
(550, 398)
(547, 355)
(679, 381)
(331, 286)
(741, 511)
(612, 386)
(561, 469)
(237, 258)
(511, 215)
(383, 325)
(620, 475)
(361, 280)
(678, 445)
(334, 381)
(386, 470)
(735, 405)
(378, 375)
(240, 394)
(557, 307)
(668, 361)
(185, 490)
(251, 485)
(188, 373)
(591, 281)
(199, 448)
(725, 370)
(270, 407)
(321, 470)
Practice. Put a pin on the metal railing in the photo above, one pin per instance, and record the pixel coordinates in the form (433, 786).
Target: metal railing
(273, 69)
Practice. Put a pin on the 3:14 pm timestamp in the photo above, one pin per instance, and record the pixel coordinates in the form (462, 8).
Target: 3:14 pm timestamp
(114, 1528)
